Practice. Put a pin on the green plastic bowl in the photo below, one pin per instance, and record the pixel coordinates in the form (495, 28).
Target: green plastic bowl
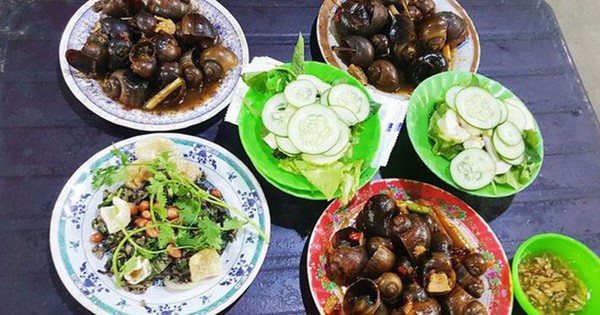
(420, 108)
(579, 258)
(252, 131)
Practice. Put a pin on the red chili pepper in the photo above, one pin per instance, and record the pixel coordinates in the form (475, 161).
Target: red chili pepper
(355, 236)
(402, 270)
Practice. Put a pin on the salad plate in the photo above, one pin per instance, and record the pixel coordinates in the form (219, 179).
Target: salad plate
(89, 92)
(75, 216)
(328, 295)
(425, 109)
(253, 132)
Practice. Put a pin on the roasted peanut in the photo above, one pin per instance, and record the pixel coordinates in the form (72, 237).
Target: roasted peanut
(151, 231)
(172, 213)
(144, 205)
(215, 192)
(146, 215)
(133, 209)
(139, 222)
(96, 238)
(173, 251)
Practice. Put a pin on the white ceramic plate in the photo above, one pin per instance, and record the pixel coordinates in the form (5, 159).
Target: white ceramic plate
(77, 206)
(466, 56)
(89, 92)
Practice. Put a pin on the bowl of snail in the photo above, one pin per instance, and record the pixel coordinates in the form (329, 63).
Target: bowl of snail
(475, 134)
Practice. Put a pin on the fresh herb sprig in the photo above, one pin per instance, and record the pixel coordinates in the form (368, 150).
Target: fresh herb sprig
(193, 230)
(275, 80)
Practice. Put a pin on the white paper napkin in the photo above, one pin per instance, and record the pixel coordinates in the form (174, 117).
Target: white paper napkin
(392, 111)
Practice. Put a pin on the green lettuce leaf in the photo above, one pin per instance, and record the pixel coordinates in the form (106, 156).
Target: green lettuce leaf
(447, 149)
(326, 178)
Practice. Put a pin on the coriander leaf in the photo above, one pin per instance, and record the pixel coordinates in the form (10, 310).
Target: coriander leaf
(210, 233)
(298, 57)
(184, 238)
(108, 176)
(165, 236)
(233, 224)
(123, 157)
(188, 209)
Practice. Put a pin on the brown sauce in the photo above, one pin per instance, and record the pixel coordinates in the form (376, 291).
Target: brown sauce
(193, 98)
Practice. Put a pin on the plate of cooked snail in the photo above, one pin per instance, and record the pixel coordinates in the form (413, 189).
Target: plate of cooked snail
(406, 247)
(393, 45)
(153, 65)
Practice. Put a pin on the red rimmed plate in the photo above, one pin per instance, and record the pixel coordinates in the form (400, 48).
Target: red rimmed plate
(498, 297)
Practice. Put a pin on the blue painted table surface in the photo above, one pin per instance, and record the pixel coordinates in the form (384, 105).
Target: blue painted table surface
(45, 134)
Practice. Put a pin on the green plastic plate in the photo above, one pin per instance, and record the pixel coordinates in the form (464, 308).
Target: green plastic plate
(252, 132)
(420, 108)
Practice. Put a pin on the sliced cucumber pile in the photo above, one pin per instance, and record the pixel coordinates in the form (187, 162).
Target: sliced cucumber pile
(312, 119)
(498, 147)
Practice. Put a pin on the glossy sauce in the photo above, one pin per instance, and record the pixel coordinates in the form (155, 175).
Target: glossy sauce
(192, 99)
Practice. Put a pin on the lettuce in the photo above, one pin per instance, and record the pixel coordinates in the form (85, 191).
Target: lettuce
(521, 174)
(441, 146)
(328, 179)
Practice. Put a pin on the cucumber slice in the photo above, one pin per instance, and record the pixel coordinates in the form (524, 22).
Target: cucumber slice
(323, 159)
(478, 108)
(504, 109)
(530, 125)
(451, 96)
(472, 169)
(505, 150)
(342, 142)
(517, 117)
(351, 97)
(509, 133)
(345, 115)
(271, 141)
(314, 129)
(276, 115)
(324, 98)
(319, 84)
(516, 161)
(301, 93)
(286, 146)
(502, 167)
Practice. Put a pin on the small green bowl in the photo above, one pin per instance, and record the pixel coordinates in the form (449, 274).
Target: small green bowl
(252, 131)
(421, 106)
(579, 258)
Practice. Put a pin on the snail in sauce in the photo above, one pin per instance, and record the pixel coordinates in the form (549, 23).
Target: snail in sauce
(155, 55)
(396, 44)
(402, 257)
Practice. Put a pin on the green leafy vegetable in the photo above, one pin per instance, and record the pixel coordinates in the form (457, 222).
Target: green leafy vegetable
(165, 235)
(233, 224)
(441, 146)
(298, 58)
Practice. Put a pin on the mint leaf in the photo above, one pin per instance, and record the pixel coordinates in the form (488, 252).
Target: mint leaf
(298, 57)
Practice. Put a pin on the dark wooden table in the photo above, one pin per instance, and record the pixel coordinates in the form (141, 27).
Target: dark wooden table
(45, 134)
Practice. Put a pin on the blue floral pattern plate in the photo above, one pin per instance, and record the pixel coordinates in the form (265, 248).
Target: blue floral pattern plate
(89, 92)
(77, 206)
